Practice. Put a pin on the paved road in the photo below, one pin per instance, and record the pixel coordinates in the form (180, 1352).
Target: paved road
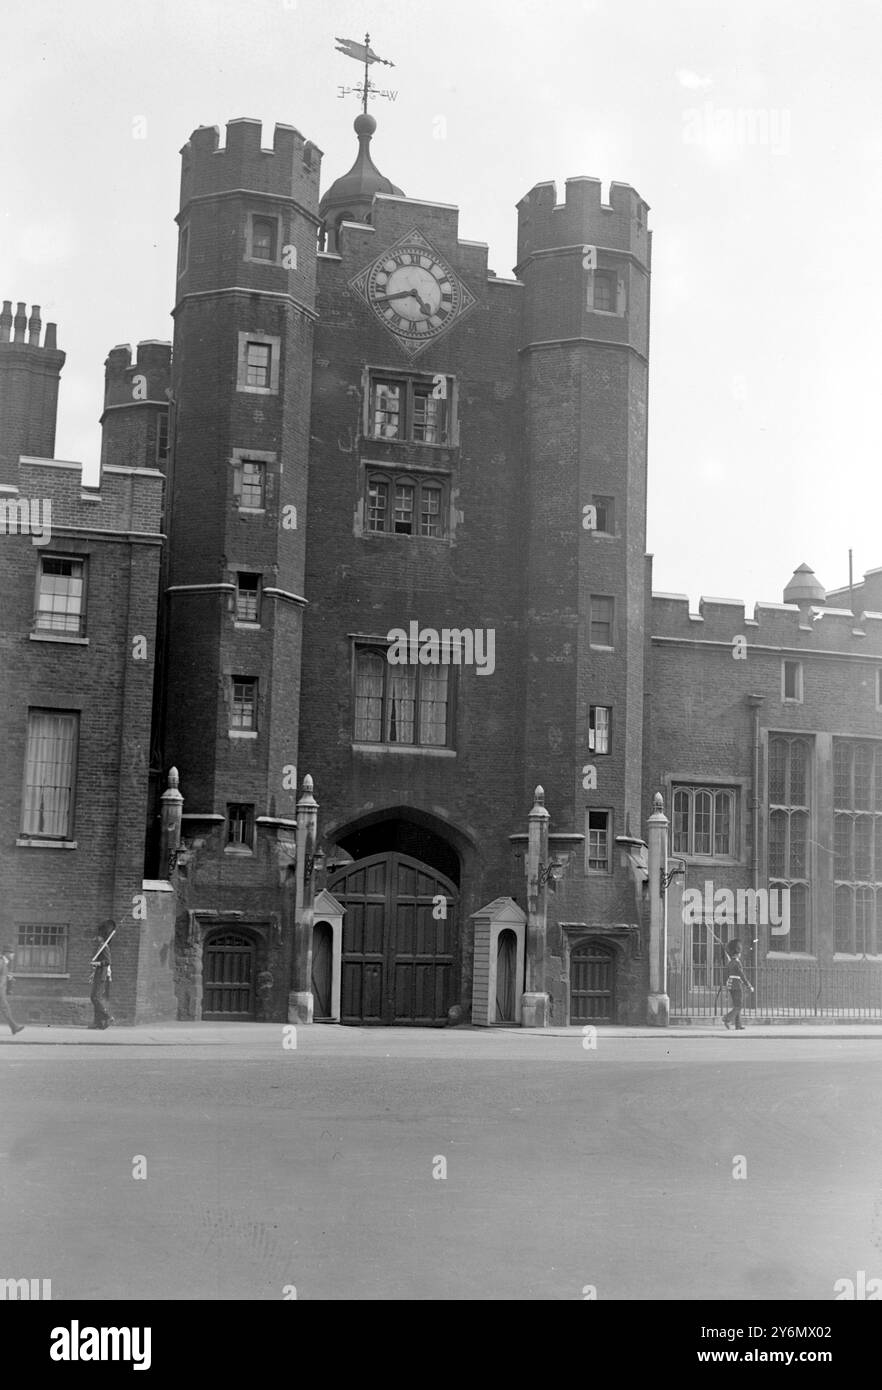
(565, 1167)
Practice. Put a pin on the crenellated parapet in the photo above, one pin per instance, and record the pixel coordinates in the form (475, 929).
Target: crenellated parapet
(720, 621)
(147, 379)
(290, 169)
(583, 219)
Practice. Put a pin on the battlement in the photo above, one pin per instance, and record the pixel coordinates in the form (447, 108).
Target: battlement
(126, 500)
(24, 330)
(152, 362)
(291, 169)
(583, 219)
(720, 620)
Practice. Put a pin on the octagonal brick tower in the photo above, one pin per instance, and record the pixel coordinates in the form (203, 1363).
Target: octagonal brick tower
(585, 266)
(241, 385)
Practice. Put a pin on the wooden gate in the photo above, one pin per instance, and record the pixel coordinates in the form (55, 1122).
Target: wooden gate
(399, 958)
(592, 984)
(228, 977)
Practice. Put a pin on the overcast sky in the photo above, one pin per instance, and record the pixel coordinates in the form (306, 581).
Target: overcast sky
(752, 128)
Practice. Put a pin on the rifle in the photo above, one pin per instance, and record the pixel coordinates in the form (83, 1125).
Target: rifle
(94, 960)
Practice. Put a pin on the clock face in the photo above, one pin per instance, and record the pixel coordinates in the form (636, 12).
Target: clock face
(413, 293)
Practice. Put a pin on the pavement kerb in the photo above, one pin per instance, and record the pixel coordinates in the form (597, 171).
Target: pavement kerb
(233, 1034)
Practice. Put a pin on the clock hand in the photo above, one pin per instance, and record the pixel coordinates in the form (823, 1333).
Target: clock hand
(399, 294)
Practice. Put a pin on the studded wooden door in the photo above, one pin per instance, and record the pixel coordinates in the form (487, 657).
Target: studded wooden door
(398, 956)
(592, 984)
(228, 977)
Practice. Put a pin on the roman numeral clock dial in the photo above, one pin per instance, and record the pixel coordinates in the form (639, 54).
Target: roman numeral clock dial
(413, 293)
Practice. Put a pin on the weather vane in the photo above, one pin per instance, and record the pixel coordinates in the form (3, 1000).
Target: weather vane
(363, 53)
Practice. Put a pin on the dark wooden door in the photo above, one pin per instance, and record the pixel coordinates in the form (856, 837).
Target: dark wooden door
(322, 939)
(398, 957)
(228, 977)
(506, 962)
(592, 984)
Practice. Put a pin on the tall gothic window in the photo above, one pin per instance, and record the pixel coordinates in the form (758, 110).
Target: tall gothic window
(789, 833)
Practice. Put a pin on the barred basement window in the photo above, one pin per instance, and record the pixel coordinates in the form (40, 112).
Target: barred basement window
(704, 822)
(789, 833)
(41, 948)
(400, 704)
(60, 595)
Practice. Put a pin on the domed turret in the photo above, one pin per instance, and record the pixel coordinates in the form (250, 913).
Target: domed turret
(350, 197)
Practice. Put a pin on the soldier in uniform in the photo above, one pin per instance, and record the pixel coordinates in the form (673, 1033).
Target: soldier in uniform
(101, 976)
(735, 979)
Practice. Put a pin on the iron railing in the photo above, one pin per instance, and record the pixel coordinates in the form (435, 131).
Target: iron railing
(800, 990)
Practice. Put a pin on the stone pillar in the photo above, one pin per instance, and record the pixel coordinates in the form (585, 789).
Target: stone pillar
(534, 1004)
(170, 820)
(300, 1003)
(658, 1006)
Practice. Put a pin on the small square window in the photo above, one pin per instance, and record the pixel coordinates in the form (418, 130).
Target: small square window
(601, 621)
(252, 485)
(597, 842)
(264, 233)
(247, 598)
(605, 290)
(240, 825)
(599, 728)
(605, 515)
(244, 711)
(60, 606)
(791, 681)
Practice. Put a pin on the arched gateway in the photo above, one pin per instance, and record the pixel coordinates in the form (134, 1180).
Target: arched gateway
(400, 943)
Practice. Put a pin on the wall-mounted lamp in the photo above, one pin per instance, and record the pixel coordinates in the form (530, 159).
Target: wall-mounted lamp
(552, 872)
(666, 879)
(314, 863)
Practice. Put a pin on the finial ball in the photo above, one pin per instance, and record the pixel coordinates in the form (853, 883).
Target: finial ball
(364, 124)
